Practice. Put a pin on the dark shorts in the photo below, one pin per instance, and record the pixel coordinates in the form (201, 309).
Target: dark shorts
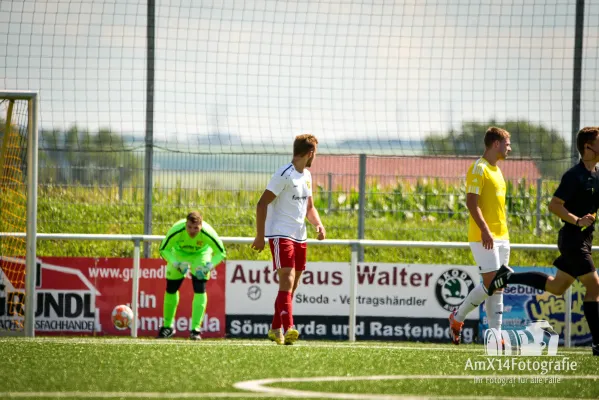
(575, 252)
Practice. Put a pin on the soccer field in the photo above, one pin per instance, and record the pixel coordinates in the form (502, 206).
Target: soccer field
(100, 368)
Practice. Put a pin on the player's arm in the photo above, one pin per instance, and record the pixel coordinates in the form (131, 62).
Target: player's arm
(218, 249)
(275, 186)
(564, 192)
(169, 241)
(314, 219)
(557, 207)
(261, 210)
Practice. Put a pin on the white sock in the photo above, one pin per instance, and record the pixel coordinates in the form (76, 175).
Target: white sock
(494, 308)
(473, 300)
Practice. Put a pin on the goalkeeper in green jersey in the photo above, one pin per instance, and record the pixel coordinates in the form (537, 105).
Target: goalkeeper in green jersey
(190, 246)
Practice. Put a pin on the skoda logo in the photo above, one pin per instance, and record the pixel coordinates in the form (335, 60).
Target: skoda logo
(254, 292)
(452, 287)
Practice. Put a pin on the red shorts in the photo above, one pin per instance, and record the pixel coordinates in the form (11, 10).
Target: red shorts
(288, 254)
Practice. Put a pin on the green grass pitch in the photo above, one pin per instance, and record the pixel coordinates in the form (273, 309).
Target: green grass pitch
(101, 368)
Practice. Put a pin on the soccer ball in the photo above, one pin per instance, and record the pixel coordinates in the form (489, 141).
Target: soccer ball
(122, 316)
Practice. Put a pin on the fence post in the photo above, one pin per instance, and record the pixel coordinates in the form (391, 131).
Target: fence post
(568, 319)
(362, 205)
(577, 76)
(149, 137)
(135, 294)
(353, 280)
(330, 186)
(539, 199)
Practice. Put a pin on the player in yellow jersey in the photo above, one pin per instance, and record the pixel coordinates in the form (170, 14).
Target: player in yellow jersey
(487, 230)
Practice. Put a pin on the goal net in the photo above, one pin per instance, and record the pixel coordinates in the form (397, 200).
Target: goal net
(18, 165)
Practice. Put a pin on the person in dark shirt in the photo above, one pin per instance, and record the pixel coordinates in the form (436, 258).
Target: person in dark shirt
(575, 201)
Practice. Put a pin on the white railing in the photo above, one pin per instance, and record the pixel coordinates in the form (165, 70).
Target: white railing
(353, 243)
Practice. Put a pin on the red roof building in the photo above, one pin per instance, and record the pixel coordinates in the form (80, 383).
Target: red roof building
(344, 170)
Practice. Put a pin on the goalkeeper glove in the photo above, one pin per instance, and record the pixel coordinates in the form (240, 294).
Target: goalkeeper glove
(183, 267)
(202, 271)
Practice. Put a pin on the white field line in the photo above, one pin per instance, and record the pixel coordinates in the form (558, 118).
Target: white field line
(224, 343)
(260, 385)
(259, 390)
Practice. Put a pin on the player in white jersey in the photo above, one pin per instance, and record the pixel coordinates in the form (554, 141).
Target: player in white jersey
(280, 216)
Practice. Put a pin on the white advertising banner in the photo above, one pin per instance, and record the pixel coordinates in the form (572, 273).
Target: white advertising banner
(384, 289)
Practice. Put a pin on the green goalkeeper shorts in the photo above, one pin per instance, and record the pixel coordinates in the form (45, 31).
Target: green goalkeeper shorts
(174, 273)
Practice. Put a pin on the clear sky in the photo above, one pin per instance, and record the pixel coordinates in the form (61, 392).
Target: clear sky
(265, 71)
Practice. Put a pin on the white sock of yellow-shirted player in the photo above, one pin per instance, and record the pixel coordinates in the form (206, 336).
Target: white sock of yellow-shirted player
(456, 319)
(473, 300)
(494, 309)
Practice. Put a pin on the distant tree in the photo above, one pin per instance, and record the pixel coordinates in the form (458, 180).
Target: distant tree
(529, 141)
(78, 156)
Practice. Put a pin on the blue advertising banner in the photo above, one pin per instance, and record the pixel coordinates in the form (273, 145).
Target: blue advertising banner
(523, 304)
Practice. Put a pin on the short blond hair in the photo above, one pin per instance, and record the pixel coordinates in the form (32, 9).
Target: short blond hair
(304, 144)
(194, 217)
(494, 134)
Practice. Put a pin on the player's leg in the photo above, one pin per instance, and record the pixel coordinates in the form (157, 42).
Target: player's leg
(283, 263)
(556, 285)
(494, 303)
(275, 332)
(174, 279)
(299, 253)
(488, 262)
(574, 255)
(591, 306)
(199, 279)
(296, 281)
(291, 335)
(286, 272)
(198, 307)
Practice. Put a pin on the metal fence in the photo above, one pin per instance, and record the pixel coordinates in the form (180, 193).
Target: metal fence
(389, 204)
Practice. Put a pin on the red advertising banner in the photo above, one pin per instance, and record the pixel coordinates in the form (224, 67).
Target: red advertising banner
(77, 296)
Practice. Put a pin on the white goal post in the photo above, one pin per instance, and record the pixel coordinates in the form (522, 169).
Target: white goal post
(30, 192)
